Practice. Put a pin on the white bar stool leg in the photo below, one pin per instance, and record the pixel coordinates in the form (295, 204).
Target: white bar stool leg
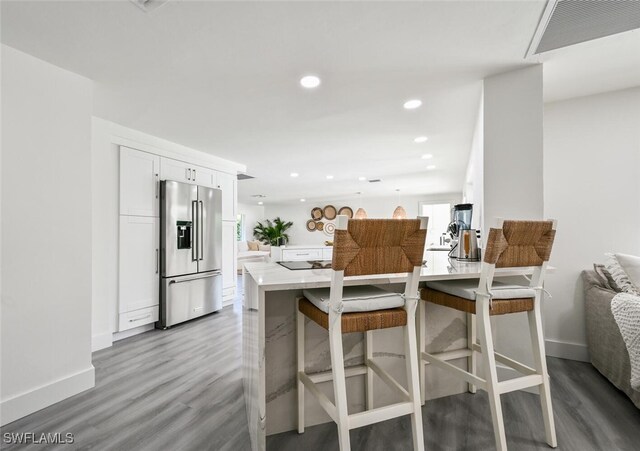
(471, 340)
(422, 344)
(490, 371)
(339, 380)
(368, 355)
(300, 351)
(537, 340)
(413, 378)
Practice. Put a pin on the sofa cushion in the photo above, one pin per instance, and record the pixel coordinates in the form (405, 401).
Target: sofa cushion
(243, 246)
(356, 299)
(466, 289)
(264, 247)
(253, 245)
(625, 270)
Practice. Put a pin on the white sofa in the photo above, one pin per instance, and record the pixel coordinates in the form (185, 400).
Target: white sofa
(245, 255)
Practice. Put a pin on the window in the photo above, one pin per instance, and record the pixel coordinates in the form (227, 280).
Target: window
(439, 218)
(240, 233)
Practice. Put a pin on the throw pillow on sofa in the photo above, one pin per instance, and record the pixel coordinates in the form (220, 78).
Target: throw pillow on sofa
(253, 245)
(243, 246)
(606, 279)
(264, 247)
(625, 270)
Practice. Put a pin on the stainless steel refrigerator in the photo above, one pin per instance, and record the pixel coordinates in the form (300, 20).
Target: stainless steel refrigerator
(190, 252)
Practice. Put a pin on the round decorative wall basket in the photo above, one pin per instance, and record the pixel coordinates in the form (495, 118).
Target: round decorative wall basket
(346, 211)
(316, 214)
(330, 212)
(311, 225)
(329, 228)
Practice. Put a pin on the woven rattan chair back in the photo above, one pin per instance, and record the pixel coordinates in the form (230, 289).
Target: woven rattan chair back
(520, 243)
(378, 246)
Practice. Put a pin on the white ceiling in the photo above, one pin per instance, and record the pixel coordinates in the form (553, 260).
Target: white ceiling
(223, 78)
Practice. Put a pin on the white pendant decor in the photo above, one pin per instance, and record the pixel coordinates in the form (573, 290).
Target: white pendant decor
(399, 213)
(360, 214)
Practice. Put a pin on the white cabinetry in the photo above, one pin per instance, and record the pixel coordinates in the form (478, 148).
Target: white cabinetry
(301, 253)
(139, 279)
(138, 271)
(187, 173)
(227, 183)
(228, 260)
(139, 182)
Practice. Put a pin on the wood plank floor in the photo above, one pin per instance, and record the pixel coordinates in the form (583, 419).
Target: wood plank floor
(181, 389)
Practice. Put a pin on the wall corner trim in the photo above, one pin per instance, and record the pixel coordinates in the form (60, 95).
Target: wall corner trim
(31, 401)
(101, 341)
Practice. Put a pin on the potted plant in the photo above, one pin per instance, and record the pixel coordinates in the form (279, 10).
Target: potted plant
(272, 232)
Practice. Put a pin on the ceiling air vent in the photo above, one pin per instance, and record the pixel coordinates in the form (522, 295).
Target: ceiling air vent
(149, 5)
(259, 196)
(375, 181)
(245, 177)
(569, 22)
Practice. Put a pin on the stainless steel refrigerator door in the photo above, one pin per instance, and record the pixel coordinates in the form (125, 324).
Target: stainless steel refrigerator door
(178, 205)
(209, 230)
(187, 297)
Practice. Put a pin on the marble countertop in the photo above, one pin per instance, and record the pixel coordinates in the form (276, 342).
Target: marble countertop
(274, 277)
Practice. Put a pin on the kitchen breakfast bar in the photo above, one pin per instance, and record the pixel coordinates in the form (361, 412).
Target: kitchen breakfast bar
(269, 343)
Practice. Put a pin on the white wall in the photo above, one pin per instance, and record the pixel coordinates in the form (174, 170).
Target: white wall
(376, 207)
(513, 140)
(592, 187)
(46, 235)
(473, 190)
(512, 173)
(252, 214)
(105, 141)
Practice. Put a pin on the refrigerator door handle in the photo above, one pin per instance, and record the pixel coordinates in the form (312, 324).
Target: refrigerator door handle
(206, 276)
(194, 242)
(201, 231)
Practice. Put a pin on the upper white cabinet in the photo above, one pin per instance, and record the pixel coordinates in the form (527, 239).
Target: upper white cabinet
(139, 183)
(187, 173)
(227, 183)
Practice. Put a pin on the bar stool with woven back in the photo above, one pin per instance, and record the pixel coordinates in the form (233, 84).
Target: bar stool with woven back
(511, 244)
(366, 247)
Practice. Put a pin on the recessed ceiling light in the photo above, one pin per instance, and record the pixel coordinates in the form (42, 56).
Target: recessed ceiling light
(310, 81)
(412, 104)
(431, 167)
(294, 174)
(362, 179)
(421, 139)
(427, 156)
(260, 203)
(303, 200)
(329, 177)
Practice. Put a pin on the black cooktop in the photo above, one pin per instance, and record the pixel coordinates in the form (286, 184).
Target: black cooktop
(312, 264)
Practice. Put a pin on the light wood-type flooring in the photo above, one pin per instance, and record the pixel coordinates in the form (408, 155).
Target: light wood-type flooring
(181, 389)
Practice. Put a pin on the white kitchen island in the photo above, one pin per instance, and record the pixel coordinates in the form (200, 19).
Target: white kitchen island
(269, 354)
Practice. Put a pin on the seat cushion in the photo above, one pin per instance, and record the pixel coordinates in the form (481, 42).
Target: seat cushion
(356, 299)
(466, 289)
(356, 321)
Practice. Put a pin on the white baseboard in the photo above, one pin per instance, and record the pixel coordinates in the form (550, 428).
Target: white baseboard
(31, 401)
(567, 350)
(101, 341)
